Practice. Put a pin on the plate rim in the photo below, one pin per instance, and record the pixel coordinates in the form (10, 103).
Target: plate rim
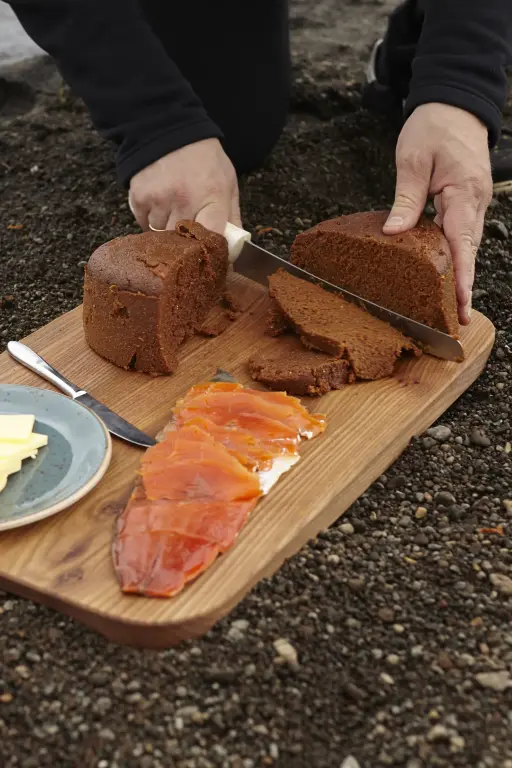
(84, 489)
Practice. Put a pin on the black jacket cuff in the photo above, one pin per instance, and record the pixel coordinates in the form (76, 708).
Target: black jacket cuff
(142, 155)
(484, 110)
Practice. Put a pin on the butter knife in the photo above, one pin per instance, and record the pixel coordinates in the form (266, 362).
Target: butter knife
(115, 424)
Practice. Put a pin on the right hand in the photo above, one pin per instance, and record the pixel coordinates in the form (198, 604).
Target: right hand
(197, 182)
(443, 151)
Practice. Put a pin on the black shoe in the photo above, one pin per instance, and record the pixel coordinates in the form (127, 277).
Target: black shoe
(379, 97)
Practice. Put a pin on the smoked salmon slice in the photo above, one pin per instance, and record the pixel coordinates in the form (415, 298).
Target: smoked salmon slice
(224, 448)
(226, 405)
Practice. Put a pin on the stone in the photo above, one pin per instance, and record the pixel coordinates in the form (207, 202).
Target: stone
(478, 437)
(497, 229)
(445, 498)
(347, 529)
(286, 651)
(241, 624)
(386, 615)
(496, 681)
(502, 583)
(438, 732)
(440, 433)
(350, 762)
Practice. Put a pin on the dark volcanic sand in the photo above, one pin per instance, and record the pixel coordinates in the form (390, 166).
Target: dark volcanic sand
(399, 614)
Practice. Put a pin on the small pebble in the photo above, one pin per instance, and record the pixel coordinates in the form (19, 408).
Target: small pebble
(497, 229)
(496, 681)
(478, 437)
(387, 615)
(502, 583)
(445, 498)
(286, 651)
(440, 433)
(347, 529)
(350, 762)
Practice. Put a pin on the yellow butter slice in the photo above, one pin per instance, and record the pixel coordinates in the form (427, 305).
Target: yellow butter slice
(25, 449)
(16, 428)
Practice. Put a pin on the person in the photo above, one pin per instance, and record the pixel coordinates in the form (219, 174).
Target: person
(194, 94)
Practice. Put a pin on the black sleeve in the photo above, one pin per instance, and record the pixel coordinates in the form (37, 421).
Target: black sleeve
(110, 57)
(462, 53)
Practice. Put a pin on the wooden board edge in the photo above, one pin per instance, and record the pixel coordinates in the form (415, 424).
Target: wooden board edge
(162, 635)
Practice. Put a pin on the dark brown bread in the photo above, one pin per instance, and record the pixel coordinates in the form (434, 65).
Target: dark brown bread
(287, 365)
(145, 294)
(328, 323)
(411, 273)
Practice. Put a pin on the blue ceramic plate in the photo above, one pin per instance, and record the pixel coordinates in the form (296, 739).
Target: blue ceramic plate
(74, 461)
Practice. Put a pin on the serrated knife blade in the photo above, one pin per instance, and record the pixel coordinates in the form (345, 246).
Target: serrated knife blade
(258, 264)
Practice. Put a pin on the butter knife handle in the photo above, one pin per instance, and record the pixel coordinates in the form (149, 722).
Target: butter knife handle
(35, 363)
(236, 238)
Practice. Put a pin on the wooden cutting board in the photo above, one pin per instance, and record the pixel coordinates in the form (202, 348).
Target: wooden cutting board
(65, 561)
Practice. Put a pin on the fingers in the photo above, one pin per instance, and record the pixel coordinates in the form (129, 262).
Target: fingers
(413, 174)
(157, 218)
(461, 227)
(214, 216)
(236, 216)
(140, 212)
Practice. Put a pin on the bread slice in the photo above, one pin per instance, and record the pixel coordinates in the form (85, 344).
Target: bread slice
(287, 365)
(326, 322)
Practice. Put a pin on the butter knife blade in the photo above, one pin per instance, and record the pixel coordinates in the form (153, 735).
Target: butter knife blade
(115, 424)
(258, 264)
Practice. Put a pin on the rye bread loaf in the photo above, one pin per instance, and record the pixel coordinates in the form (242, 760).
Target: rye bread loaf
(288, 365)
(326, 322)
(145, 294)
(410, 273)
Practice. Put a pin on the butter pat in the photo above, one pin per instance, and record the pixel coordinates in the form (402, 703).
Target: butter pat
(23, 450)
(16, 428)
(10, 465)
(17, 443)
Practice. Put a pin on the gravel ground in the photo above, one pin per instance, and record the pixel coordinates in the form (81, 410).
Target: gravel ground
(387, 641)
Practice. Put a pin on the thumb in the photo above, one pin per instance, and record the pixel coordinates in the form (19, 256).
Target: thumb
(214, 217)
(412, 186)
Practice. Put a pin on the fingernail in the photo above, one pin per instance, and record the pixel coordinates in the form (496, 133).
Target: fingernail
(394, 222)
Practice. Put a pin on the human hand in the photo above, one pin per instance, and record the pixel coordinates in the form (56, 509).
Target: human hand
(197, 182)
(443, 151)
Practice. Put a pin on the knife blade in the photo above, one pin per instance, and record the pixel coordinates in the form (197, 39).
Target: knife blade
(115, 424)
(254, 262)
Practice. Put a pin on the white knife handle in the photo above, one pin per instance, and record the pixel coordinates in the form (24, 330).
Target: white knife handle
(35, 363)
(236, 238)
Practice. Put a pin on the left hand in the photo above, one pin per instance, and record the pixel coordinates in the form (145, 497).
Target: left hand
(443, 151)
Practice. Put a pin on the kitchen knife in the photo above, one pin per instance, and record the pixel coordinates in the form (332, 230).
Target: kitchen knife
(114, 423)
(251, 261)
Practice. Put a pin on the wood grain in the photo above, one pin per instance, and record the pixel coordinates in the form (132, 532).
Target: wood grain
(65, 562)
